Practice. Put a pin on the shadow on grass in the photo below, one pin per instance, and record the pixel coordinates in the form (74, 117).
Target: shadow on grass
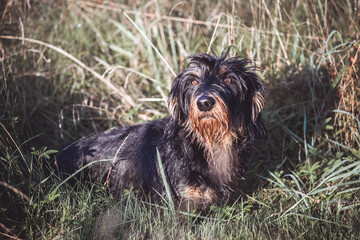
(298, 102)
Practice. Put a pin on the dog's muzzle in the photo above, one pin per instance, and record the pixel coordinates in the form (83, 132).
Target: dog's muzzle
(205, 103)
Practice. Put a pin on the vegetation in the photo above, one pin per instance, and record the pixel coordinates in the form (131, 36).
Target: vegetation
(71, 68)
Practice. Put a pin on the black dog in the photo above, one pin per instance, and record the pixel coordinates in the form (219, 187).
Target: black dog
(215, 107)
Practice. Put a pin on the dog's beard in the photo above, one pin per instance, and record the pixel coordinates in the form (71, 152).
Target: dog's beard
(209, 127)
(212, 130)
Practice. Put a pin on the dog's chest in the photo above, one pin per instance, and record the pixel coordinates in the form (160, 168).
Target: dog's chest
(222, 161)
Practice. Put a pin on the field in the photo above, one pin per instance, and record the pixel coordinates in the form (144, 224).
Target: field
(71, 68)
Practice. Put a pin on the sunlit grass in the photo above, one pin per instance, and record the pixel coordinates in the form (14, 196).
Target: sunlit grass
(73, 68)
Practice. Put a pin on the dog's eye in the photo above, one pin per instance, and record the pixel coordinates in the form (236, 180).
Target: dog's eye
(194, 82)
(227, 80)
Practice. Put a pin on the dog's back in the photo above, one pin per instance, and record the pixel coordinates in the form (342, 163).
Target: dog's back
(122, 157)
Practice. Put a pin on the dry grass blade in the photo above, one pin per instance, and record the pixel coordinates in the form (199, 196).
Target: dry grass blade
(15, 190)
(276, 33)
(242, 28)
(115, 159)
(17, 147)
(110, 68)
(151, 44)
(121, 93)
(214, 33)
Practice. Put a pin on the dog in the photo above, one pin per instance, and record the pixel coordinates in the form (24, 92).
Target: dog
(201, 149)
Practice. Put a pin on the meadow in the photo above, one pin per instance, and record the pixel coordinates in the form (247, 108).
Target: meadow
(74, 67)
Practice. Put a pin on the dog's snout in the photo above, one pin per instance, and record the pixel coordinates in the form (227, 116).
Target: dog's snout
(205, 103)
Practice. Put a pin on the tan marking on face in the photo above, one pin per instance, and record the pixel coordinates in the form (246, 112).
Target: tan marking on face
(222, 69)
(197, 72)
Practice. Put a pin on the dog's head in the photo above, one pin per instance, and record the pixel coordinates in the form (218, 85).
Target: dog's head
(216, 96)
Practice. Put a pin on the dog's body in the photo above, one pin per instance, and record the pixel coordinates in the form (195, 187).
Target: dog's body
(215, 109)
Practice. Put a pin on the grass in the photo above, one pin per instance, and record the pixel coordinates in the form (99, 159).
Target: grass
(73, 68)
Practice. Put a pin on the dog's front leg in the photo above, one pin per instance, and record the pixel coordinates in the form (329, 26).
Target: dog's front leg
(197, 197)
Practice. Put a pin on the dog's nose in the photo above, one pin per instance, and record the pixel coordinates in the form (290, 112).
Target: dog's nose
(205, 103)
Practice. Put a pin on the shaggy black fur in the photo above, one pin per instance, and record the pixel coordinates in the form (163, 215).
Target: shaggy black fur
(215, 106)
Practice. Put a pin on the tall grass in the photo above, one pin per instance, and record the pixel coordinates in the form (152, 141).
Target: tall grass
(73, 68)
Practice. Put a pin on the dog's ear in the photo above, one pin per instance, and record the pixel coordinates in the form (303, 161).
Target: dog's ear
(256, 100)
(257, 105)
(174, 108)
(256, 126)
(248, 112)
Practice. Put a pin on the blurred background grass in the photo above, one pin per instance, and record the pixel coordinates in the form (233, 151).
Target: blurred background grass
(71, 68)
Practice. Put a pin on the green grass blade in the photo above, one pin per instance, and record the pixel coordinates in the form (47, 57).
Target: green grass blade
(164, 179)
